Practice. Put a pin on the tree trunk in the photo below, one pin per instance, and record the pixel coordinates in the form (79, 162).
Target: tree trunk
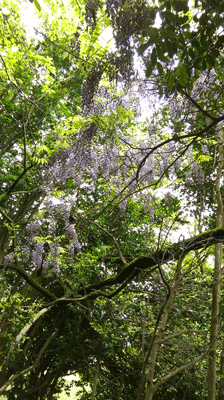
(211, 377)
(221, 384)
(95, 380)
(150, 359)
(150, 389)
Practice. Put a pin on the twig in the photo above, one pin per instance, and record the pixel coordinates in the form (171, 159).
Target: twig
(198, 106)
(17, 87)
(35, 364)
(115, 241)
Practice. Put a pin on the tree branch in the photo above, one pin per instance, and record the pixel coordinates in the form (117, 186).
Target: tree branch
(198, 106)
(115, 242)
(35, 364)
(28, 278)
(183, 332)
(178, 370)
(147, 261)
(177, 139)
(16, 86)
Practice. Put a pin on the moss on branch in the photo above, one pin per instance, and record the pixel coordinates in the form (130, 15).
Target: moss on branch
(172, 252)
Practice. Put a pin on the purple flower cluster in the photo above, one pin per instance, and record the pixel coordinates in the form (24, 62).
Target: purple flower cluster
(198, 173)
(151, 214)
(168, 199)
(63, 209)
(188, 178)
(74, 243)
(74, 247)
(71, 232)
(123, 206)
(205, 150)
(25, 253)
(49, 206)
(45, 265)
(33, 228)
(52, 227)
(56, 267)
(178, 163)
(54, 249)
(37, 254)
(57, 172)
(8, 258)
(190, 154)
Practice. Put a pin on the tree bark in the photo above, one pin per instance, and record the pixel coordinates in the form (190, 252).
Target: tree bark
(150, 261)
(221, 384)
(211, 376)
(150, 389)
(151, 356)
(95, 380)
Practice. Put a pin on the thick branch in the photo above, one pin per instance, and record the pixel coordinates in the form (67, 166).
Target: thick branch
(171, 253)
(32, 282)
(132, 269)
(21, 335)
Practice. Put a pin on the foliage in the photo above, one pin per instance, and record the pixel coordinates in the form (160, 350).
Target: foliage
(107, 216)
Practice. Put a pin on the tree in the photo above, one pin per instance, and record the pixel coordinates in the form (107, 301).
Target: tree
(95, 203)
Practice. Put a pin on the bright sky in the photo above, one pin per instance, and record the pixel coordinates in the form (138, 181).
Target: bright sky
(31, 21)
(28, 16)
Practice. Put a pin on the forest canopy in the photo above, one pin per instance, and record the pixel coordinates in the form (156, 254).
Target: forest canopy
(111, 199)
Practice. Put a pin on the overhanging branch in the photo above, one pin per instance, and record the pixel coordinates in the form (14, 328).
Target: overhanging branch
(132, 269)
(148, 261)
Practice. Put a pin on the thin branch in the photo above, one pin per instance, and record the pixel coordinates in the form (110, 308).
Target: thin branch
(198, 106)
(183, 332)
(24, 140)
(17, 87)
(20, 177)
(177, 139)
(115, 241)
(7, 112)
(35, 364)
(6, 216)
(178, 370)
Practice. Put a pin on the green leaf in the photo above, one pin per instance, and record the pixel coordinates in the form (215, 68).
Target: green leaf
(159, 67)
(37, 5)
(182, 74)
(168, 33)
(210, 60)
(149, 70)
(153, 57)
(143, 47)
(182, 80)
(171, 80)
